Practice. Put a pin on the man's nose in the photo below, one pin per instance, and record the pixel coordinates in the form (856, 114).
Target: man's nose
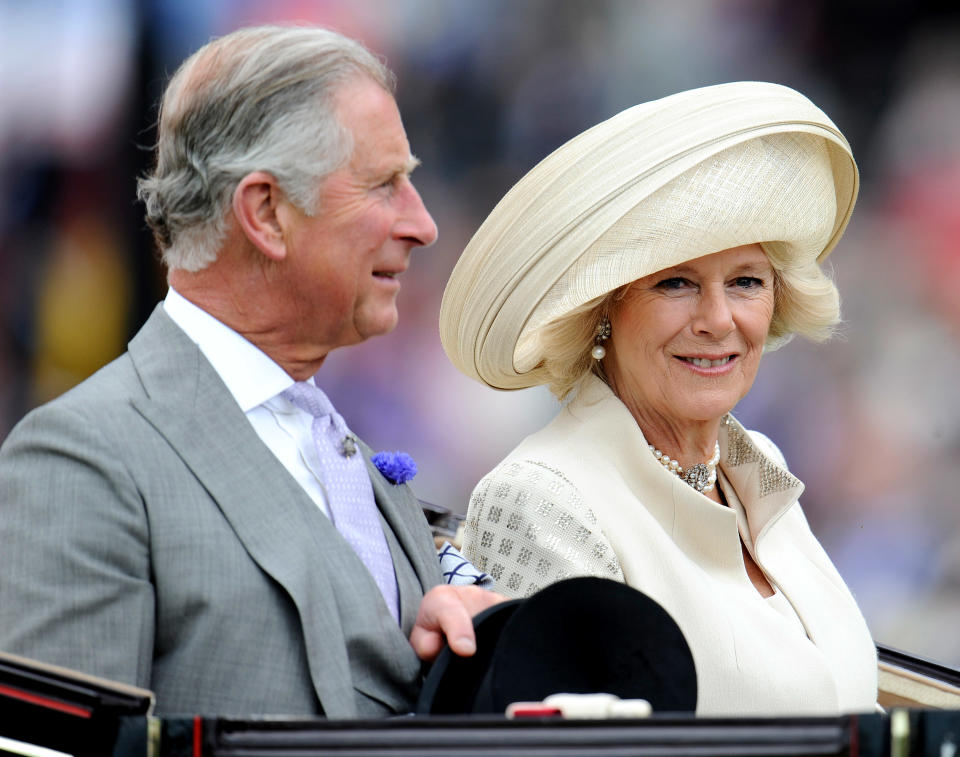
(416, 223)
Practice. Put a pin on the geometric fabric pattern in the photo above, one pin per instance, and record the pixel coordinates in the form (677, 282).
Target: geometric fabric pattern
(742, 450)
(534, 529)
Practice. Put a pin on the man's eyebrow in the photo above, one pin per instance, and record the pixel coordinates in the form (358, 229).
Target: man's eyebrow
(410, 164)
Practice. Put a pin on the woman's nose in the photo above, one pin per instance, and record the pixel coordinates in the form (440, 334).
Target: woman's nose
(713, 315)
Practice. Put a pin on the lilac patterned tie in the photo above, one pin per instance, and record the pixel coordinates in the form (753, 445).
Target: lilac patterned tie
(348, 489)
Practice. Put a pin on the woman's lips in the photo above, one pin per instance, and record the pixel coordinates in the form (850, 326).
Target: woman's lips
(705, 362)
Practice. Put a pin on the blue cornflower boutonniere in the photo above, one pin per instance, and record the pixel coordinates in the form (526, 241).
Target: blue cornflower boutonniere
(396, 467)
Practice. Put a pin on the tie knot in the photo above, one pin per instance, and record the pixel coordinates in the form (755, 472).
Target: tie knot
(326, 421)
(309, 398)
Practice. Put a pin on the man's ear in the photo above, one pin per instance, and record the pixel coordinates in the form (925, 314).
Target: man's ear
(255, 204)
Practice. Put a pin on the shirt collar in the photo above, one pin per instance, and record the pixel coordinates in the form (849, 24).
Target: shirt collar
(249, 374)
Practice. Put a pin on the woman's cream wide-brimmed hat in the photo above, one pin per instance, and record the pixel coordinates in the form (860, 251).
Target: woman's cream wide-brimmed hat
(658, 184)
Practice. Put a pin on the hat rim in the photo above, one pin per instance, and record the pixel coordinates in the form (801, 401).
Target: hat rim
(451, 671)
(533, 647)
(480, 332)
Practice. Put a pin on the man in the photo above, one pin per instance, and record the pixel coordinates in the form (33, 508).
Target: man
(177, 521)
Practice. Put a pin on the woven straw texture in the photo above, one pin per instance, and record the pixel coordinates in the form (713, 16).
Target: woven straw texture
(660, 183)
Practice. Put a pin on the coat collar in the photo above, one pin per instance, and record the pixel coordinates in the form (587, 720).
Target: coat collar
(764, 486)
(603, 451)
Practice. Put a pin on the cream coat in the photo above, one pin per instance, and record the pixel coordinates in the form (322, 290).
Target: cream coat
(584, 496)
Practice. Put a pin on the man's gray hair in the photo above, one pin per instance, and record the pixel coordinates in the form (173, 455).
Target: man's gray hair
(258, 99)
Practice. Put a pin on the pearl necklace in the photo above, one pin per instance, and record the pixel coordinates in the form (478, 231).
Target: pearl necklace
(701, 476)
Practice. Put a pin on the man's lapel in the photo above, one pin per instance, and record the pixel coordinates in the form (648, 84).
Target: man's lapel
(278, 525)
(402, 511)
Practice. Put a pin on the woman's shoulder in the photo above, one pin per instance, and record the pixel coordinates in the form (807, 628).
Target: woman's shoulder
(528, 526)
(525, 483)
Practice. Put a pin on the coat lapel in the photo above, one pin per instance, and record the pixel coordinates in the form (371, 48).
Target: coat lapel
(190, 406)
(401, 509)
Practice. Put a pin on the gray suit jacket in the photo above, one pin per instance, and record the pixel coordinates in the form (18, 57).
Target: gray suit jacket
(148, 536)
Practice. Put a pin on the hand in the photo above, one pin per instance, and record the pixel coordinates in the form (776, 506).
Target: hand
(446, 612)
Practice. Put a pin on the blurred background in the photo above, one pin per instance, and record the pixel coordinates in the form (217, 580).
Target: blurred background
(870, 422)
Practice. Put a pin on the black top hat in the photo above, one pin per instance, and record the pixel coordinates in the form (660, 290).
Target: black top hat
(582, 635)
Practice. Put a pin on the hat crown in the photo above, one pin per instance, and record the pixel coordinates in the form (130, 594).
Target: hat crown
(502, 289)
(775, 189)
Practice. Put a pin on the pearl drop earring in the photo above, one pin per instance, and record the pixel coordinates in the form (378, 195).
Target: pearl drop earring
(602, 334)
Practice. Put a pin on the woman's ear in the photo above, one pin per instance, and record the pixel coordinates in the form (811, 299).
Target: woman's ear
(255, 204)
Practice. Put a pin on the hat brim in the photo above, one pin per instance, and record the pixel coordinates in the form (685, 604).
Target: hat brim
(582, 635)
(565, 203)
(453, 683)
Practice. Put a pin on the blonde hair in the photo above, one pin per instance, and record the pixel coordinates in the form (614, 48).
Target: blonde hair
(567, 341)
(806, 299)
(806, 302)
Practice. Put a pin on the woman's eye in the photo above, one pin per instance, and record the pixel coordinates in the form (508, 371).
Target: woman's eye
(749, 282)
(673, 283)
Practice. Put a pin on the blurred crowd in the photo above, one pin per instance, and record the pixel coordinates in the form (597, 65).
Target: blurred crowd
(870, 422)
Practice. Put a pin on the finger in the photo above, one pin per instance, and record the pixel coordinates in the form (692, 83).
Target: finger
(446, 612)
(456, 623)
(427, 644)
(442, 614)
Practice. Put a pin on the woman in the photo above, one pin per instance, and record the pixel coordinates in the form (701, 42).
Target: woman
(640, 271)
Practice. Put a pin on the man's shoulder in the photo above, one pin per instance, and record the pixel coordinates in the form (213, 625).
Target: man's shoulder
(116, 380)
(111, 387)
(102, 399)
(110, 390)
(89, 408)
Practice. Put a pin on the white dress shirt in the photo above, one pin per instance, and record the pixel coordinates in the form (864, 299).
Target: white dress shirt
(256, 382)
